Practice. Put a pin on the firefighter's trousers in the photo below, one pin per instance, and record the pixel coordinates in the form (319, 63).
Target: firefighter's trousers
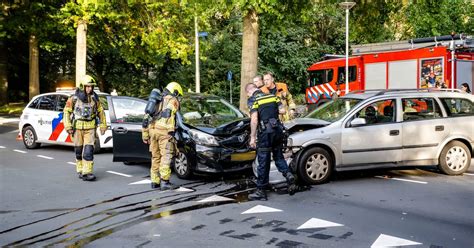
(84, 148)
(162, 148)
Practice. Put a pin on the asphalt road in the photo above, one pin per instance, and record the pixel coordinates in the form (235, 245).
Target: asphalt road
(42, 202)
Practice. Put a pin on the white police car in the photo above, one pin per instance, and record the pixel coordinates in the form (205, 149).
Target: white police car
(42, 121)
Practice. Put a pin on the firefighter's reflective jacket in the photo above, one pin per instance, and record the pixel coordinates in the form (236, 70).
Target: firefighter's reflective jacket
(81, 112)
(165, 117)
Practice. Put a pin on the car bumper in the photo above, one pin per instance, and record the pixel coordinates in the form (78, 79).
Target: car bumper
(219, 159)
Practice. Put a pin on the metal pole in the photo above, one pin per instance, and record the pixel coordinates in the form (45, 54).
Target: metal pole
(347, 50)
(230, 90)
(452, 64)
(196, 41)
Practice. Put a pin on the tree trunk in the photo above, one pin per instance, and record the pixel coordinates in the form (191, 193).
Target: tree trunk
(249, 54)
(81, 51)
(34, 66)
(3, 74)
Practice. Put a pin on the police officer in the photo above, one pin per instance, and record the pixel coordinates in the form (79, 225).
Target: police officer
(160, 135)
(80, 121)
(264, 110)
(281, 91)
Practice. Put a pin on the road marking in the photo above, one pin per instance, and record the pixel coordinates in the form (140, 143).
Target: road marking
(146, 181)
(391, 241)
(261, 209)
(120, 174)
(318, 223)
(216, 198)
(46, 157)
(20, 151)
(72, 163)
(2, 147)
(401, 179)
(182, 189)
(469, 174)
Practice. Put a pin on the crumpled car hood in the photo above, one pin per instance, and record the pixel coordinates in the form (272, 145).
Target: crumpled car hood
(302, 124)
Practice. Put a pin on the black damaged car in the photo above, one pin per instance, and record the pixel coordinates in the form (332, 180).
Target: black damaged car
(212, 134)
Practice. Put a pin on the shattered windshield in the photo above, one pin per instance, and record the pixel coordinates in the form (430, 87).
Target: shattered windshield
(334, 110)
(208, 112)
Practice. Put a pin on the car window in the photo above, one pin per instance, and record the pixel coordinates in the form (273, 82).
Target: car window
(383, 111)
(47, 102)
(210, 112)
(420, 109)
(129, 110)
(333, 110)
(458, 106)
(35, 103)
(61, 102)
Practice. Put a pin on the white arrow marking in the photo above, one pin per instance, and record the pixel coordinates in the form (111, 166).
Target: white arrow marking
(146, 181)
(318, 223)
(20, 151)
(182, 189)
(2, 147)
(46, 157)
(216, 198)
(261, 209)
(390, 241)
(71, 163)
(469, 174)
(120, 174)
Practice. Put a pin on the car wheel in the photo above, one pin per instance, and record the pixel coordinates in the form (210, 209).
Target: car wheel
(315, 166)
(97, 146)
(30, 138)
(181, 166)
(455, 158)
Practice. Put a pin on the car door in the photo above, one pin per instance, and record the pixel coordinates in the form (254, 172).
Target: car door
(423, 128)
(58, 133)
(126, 116)
(377, 141)
(45, 114)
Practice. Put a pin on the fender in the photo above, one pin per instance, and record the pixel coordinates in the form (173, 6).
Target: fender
(451, 138)
(316, 142)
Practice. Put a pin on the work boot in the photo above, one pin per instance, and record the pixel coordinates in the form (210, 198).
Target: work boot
(79, 175)
(258, 195)
(88, 177)
(290, 179)
(155, 185)
(165, 185)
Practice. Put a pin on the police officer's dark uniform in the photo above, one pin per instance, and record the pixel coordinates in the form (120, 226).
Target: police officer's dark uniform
(270, 140)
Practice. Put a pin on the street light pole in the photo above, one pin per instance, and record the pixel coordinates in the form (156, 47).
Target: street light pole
(347, 6)
(196, 41)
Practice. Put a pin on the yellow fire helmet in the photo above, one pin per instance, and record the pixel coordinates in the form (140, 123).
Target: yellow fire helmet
(87, 81)
(175, 88)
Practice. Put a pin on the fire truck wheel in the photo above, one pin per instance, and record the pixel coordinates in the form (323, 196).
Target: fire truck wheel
(315, 166)
(29, 138)
(455, 158)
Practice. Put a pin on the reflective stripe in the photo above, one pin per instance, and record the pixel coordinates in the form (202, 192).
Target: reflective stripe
(330, 87)
(319, 91)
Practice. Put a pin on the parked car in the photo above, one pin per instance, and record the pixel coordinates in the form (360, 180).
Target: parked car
(385, 128)
(212, 135)
(41, 121)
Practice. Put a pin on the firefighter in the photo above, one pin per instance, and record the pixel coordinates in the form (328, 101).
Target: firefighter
(264, 110)
(159, 134)
(281, 91)
(82, 113)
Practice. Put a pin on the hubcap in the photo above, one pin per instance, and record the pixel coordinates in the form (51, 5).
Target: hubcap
(317, 166)
(456, 158)
(181, 164)
(29, 137)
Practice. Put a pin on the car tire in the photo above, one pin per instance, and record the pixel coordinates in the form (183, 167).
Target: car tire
(182, 166)
(29, 138)
(455, 158)
(315, 166)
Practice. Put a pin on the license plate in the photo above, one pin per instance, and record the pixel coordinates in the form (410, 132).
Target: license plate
(246, 156)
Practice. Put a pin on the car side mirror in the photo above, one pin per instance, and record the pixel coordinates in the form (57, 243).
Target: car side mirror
(358, 122)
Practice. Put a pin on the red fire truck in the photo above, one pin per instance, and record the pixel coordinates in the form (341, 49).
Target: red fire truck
(417, 63)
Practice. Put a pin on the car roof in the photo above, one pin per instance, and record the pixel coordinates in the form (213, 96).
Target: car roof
(365, 94)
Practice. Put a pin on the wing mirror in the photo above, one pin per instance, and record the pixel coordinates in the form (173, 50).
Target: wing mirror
(358, 122)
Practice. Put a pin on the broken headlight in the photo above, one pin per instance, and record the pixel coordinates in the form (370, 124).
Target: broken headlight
(202, 138)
